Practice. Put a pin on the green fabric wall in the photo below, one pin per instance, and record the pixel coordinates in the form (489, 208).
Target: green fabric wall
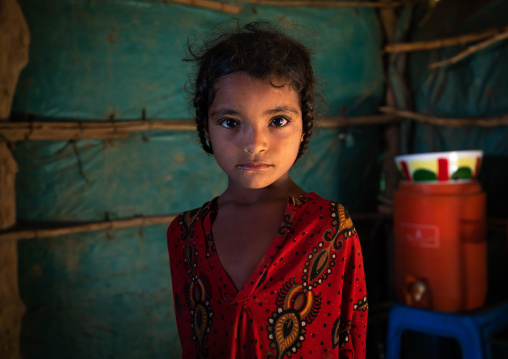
(108, 294)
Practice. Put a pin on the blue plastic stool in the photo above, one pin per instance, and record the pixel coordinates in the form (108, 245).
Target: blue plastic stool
(471, 331)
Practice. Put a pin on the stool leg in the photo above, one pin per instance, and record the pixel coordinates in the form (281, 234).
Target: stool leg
(471, 342)
(393, 342)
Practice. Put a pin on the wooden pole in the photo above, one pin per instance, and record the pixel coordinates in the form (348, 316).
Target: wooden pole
(445, 42)
(386, 211)
(11, 306)
(138, 221)
(471, 50)
(494, 121)
(39, 130)
(391, 132)
(14, 41)
(325, 3)
(211, 5)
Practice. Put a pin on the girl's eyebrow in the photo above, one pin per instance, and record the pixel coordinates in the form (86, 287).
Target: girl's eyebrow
(282, 109)
(222, 112)
(227, 111)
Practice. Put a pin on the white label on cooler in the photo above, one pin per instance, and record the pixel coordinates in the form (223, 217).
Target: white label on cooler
(421, 235)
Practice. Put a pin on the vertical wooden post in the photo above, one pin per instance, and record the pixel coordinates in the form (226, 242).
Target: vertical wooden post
(11, 306)
(14, 41)
(391, 134)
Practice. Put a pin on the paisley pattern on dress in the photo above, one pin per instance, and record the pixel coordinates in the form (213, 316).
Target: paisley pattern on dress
(362, 304)
(296, 309)
(340, 333)
(198, 295)
(342, 226)
(199, 292)
(318, 266)
(287, 223)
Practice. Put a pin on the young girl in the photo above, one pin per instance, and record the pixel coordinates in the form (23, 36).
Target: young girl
(265, 270)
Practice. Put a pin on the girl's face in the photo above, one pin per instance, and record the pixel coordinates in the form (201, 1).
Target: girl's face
(255, 129)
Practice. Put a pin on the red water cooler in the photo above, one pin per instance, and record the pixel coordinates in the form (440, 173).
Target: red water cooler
(440, 245)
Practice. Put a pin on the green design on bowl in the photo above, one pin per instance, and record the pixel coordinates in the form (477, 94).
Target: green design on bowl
(462, 173)
(424, 175)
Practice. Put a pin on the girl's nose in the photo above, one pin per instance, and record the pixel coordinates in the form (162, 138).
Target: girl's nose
(255, 140)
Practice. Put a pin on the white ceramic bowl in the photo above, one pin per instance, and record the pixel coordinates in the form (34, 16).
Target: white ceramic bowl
(434, 167)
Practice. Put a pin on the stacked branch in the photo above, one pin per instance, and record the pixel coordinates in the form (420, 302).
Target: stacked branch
(138, 221)
(445, 42)
(449, 122)
(324, 3)
(210, 5)
(38, 130)
(497, 224)
(470, 50)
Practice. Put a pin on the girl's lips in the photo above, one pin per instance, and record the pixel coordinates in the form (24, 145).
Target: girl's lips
(253, 166)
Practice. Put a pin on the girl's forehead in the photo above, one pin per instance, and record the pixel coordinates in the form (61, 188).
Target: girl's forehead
(239, 77)
(244, 93)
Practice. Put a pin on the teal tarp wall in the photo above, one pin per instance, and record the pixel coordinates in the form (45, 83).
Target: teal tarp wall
(108, 294)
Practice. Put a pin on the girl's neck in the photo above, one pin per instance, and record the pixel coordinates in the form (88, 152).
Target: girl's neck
(278, 191)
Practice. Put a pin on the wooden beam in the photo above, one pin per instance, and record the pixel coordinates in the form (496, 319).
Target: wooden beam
(470, 50)
(15, 234)
(39, 130)
(445, 42)
(449, 122)
(11, 306)
(210, 5)
(332, 3)
(138, 221)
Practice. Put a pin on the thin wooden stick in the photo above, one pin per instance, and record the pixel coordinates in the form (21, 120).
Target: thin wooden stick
(87, 227)
(38, 130)
(449, 41)
(211, 5)
(140, 221)
(470, 50)
(341, 121)
(449, 122)
(369, 4)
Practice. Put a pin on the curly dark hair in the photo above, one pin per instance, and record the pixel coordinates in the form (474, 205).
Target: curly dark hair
(260, 50)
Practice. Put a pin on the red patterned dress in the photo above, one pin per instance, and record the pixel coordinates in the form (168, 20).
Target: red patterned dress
(306, 298)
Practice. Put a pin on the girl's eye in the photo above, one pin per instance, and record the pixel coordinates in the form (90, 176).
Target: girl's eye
(279, 122)
(229, 123)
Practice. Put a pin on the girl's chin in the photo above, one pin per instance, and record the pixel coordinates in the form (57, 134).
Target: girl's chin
(255, 183)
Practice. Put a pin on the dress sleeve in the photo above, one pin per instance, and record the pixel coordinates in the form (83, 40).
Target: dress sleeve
(354, 306)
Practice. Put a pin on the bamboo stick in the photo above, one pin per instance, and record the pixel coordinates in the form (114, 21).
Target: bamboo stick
(449, 41)
(20, 131)
(211, 5)
(391, 133)
(38, 130)
(341, 121)
(369, 4)
(137, 221)
(449, 122)
(470, 50)
(140, 221)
